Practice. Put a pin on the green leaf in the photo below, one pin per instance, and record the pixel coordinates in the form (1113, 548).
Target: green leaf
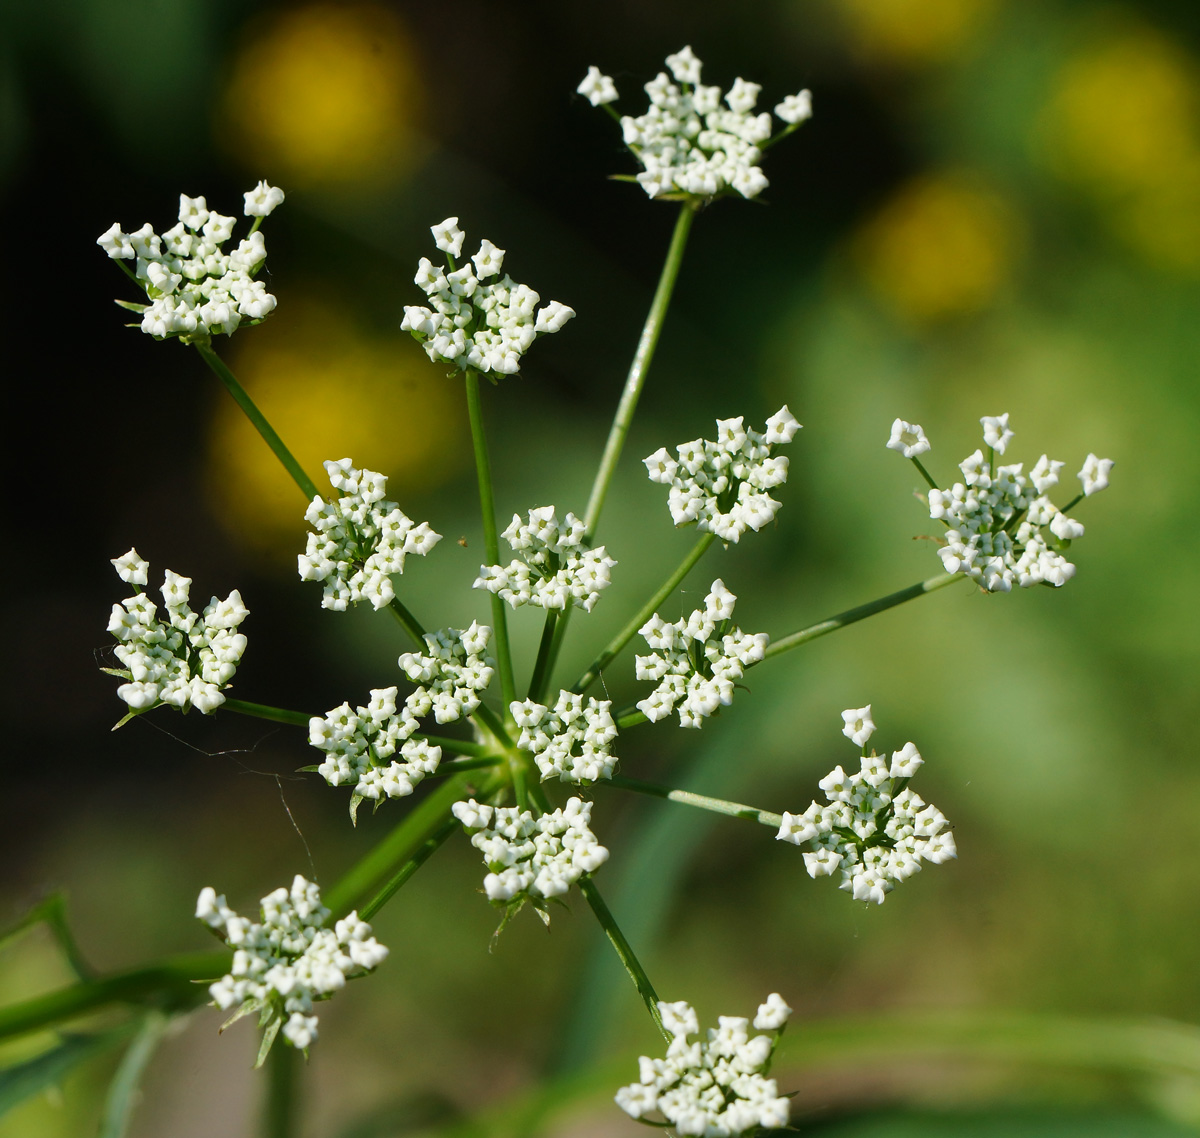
(24, 1080)
(122, 1091)
(268, 1040)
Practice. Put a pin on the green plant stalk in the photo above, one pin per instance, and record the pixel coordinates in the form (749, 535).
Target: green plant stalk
(400, 845)
(307, 487)
(264, 711)
(541, 668)
(488, 718)
(171, 983)
(424, 852)
(122, 1092)
(644, 614)
(280, 1112)
(627, 956)
(851, 616)
(638, 369)
(701, 801)
(491, 542)
(925, 474)
(408, 622)
(52, 911)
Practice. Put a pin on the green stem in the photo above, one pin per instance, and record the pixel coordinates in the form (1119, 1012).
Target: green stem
(307, 486)
(628, 958)
(400, 845)
(424, 852)
(171, 983)
(1073, 503)
(280, 1114)
(701, 801)
(408, 622)
(541, 668)
(491, 542)
(636, 378)
(263, 711)
(488, 718)
(459, 747)
(925, 474)
(123, 1095)
(630, 717)
(644, 614)
(850, 616)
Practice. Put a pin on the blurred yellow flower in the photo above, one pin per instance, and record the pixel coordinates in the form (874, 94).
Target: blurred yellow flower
(913, 32)
(331, 391)
(1123, 123)
(325, 94)
(941, 247)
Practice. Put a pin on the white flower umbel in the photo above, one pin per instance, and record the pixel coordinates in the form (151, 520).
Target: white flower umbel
(1001, 527)
(184, 660)
(721, 485)
(477, 318)
(697, 661)
(196, 287)
(718, 1084)
(555, 569)
(872, 828)
(528, 858)
(361, 539)
(572, 741)
(692, 142)
(451, 675)
(289, 961)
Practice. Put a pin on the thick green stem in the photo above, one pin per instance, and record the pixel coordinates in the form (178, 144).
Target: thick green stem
(263, 711)
(491, 541)
(636, 378)
(630, 717)
(408, 622)
(280, 1112)
(644, 614)
(541, 668)
(172, 983)
(628, 958)
(701, 801)
(488, 719)
(424, 852)
(307, 486)
(850, 616)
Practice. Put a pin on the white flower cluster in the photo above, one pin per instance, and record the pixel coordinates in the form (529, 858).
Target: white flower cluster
(687, 142)
(288, 961)
(1001, 528)
(555, 568)
(359, 743)
(194, 286)
(716, 1086)
(573, 740)
(185, 660)
(361, 539)
(478, 319)
(532, 858)
(722, 485)
(698, 660)
(875, 830)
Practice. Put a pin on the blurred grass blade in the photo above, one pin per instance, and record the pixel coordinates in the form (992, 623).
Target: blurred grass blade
(53, 912)
(24, 1080)
(123, 1090)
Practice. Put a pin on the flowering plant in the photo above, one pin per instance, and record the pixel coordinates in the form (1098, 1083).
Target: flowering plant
(496, 772)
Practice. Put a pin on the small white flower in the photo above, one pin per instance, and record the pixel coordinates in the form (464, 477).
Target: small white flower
(859, 725)
(262, 200)
(597, 88)
(796, 108)
(995, 431)
(1094, 474)
(685, 66)
(908, 438)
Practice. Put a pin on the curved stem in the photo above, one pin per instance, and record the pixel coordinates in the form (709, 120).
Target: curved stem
(644, 614)
(636, 378)
(307, 486)
(701, 801)
(491, 542)
(627, 956)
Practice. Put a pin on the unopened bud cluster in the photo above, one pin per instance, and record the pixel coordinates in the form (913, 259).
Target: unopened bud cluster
(571, 741)
(697, 661)
(721, 485)
(531, 857)
(1001, 528)
(873, 829)
(286, 962)
(555, 568)
(184, 660)
(477, 318)
(194, 286)
(715, 1086)
(687, 142)
(361, 539)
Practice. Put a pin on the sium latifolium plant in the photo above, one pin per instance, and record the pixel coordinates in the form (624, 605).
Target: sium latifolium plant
(501, 780)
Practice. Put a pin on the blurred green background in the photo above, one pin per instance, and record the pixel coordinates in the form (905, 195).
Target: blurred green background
(995, 208)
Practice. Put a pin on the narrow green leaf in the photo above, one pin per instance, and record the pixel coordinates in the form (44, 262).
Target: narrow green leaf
(123, 1090)
(24, 1080)
(268, 1040)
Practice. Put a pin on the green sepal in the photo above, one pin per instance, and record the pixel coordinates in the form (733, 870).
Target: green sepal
(120, 673)
(131, 306)
(249, 1007)
(308, 770)
(268, 1040)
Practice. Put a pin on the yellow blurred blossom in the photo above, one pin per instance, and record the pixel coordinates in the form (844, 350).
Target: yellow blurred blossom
(913, 32)
(941, 247)
(331, 391)
(325, 94)
(1123, 123)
